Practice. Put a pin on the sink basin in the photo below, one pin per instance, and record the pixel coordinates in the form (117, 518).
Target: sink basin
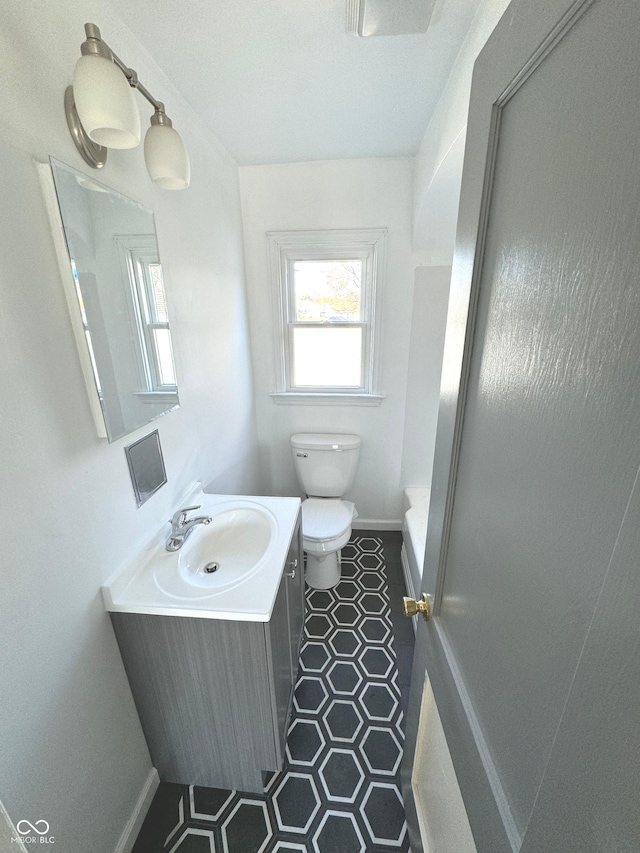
(229, 569)
(220, 555)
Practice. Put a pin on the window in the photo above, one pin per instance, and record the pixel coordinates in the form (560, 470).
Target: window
(153, 322)
(325, 295)
(140, 256)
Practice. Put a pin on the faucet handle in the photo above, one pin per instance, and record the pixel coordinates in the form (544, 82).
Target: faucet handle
(180, 516)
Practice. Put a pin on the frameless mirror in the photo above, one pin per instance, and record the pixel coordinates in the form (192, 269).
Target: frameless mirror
(120, 302)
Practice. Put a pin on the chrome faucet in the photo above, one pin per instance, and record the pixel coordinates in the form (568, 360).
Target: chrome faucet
(181, 527)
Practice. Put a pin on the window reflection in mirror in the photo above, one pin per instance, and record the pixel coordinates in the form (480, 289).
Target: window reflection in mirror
(141, 266)
(122, 302)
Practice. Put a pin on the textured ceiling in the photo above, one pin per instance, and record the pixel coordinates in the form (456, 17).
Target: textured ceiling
(281, 81)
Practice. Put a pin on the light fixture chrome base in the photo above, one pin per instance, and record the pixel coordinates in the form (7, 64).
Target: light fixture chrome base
(94, 155)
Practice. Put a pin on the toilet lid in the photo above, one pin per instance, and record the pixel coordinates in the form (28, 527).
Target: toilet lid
(325, 518)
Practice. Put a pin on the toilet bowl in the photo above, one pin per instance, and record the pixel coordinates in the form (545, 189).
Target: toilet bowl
(325, 465)
(326, 528)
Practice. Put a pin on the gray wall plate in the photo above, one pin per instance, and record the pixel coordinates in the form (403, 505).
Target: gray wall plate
(146, 466)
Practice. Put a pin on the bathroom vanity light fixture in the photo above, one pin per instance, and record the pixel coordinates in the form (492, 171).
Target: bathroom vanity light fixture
(102, 113)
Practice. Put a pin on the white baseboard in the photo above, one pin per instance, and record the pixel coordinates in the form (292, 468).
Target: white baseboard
(137, 816)
(376, 524)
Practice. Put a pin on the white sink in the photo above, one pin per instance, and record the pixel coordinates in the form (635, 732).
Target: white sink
(219, 555)
(228, 569)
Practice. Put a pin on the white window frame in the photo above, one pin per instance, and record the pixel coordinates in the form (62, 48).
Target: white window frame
(287, 247)
(135, 252)
(140, 260)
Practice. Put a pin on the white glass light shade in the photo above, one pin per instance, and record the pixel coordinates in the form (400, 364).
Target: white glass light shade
(105, 103)
(166, 158)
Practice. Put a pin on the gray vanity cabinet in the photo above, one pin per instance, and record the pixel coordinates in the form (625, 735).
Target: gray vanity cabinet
(214, 695)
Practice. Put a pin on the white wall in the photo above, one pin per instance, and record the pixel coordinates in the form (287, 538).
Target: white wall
(438, 168)
(72, 750)
(436, 193)
(428, 321)
(326, 195)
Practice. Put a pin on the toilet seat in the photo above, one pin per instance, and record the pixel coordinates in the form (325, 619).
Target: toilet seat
(326, 518)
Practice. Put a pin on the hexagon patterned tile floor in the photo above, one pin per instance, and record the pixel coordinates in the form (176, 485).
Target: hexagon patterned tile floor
(339, 790)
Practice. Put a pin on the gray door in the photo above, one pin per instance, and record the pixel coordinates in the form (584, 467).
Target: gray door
(534, 529)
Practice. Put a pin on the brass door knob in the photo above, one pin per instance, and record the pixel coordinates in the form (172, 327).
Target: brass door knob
(411, 606)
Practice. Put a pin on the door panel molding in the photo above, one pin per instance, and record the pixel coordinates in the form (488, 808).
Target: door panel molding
(454, 676)
(485, 802)
(466, 301)
(564, 25)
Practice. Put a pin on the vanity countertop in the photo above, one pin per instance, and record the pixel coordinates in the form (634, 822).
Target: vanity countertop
(161, 583)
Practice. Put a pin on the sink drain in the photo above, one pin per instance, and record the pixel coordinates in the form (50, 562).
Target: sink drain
(210, 568)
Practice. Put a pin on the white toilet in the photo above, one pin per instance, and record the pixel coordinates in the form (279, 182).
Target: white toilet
(326, 465)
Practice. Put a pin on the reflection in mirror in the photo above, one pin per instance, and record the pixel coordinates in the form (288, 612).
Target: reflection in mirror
(117, 274)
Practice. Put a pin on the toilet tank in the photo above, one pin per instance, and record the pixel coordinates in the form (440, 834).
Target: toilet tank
(325, 462)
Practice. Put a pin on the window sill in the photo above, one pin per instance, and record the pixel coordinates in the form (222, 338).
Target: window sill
(290, 398)
(158, 397)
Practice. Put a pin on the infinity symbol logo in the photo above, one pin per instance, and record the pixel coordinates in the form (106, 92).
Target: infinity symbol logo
(43, 830)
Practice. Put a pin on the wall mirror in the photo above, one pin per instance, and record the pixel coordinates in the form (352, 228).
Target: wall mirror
(116, 294)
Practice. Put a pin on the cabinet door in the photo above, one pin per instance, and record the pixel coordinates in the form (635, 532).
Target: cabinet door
(294, 574)
(203, 690)
(280, 657)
